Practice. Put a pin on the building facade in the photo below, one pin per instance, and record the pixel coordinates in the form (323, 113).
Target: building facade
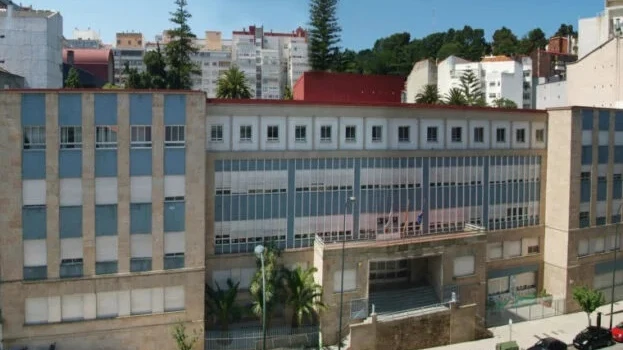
(129, 49)
(103, 232)
(31, 45)
(348, 87)
(594, 31)
(423, 73)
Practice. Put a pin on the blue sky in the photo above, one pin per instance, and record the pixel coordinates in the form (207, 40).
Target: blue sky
(362, 21)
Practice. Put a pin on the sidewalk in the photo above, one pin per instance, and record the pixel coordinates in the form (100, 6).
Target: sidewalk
(527, 333)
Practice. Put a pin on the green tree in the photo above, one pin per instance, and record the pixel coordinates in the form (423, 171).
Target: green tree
(287, 93)
(346, 62)
(179, 50)
(428, 95)
(324, 34)
(233, 84)
(133, 79)
(222, 303)
(588, 300)
(449, 49)
(504, 42)
(110, 86)
(504, 103)
(535, 39)
(155, 75)
(566, 30)
(73, 79)
(303, 294)
(455, 97)
(274, 277)
(183, 340)
(471, 87)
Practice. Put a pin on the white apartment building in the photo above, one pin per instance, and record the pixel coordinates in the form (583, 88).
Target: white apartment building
(129, 49)
(31, 45)
(423, 73)
(594, 31)
(84, 39)
(297, 59)
(212, 64)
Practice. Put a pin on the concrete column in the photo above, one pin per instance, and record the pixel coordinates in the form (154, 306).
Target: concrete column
(88, 184)
(52, 184)
(123, 182)
(609, 209)
(196, 192)
(157, 182)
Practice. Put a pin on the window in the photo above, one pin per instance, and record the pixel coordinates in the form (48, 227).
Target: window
(350, 281)
(583, 247)
(216, 133)
(457, 134)
(245, 133)
(272, 133)
(325, 133)
(300, 133)
(479, 135)
(584, 219)
(141, 136)
(431, 134)
(494, 251)
(34, 137)
(403, 134)
(520, 135)
(351, 133)
(105, 137)
(464, 266)
(377, 133)
(540, 135)
(500, 135)
(174, 136)
(492, 95)
(71, 137)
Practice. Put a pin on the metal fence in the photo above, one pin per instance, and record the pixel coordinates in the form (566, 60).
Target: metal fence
(524, 310)
(250, 338)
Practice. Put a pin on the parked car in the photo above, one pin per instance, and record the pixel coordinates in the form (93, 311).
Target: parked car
(549, 344)
(617, 333)
(593, 338)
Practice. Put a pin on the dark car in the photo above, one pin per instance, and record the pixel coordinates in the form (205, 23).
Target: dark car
(549, 344)
(593, 338)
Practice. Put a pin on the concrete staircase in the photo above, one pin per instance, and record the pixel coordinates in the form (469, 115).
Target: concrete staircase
(392, 301)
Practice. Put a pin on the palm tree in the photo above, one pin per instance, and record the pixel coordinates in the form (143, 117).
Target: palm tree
(504, 103)
(274, 276)
(302, 294)
(233, 84)
(222, 303)
(428, 95)
(455, 97)
(471, 88)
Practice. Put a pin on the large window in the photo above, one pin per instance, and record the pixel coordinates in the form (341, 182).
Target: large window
(216, 133)
(520, 135)
(377, 133)
(464, 266)
(500, 135)
(300, 133)
(457, 134)
(479, 135)
(34, 137)
(105, 137)
(174, 136)
(71, 137)
(351, 133)
(431, 134)
(245, 133)
(540, 135)
(403, 134)
(272, 133)
(141, 136)
(325, 133)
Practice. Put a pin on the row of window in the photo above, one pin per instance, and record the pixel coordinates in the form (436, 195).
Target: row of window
(512, 249)
(597, 245)
(105, 136)
(404, 132)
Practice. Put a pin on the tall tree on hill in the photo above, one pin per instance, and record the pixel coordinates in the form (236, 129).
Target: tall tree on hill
(180, 49)
(324, 34)
(535, 39)
(155, 75)
(504, 42)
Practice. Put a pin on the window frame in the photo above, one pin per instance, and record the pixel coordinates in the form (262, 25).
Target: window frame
(520, 135)
(243, 131)
(432, 134)
(272, 129)
(377, 129)
(169, 133)
(105, 131)
(456, 134)
(540, 135)
(479, 134)
(325, 133)
(500, 135)
(300, 133)
(29, 130)
(350, 129)
(215, 130)
(64, 134)
(141, 130)
(402, 129)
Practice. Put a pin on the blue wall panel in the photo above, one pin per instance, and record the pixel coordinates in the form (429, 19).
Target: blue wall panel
(140, 162)
(174, 216)
(105, 109)
(618, 121)
(33, 164)
(618, 154)
(140, 109)
(105, 162)
(602, 154)
(34, 222)
(587, 155)
(174, 109)
(174, 161)
(604, 120)
(291, 203)
(70, 222)
(140, 218)
(617, 189)
(70, 163)
(585, 191)
(33, 109)
(106, 220)
(587, 119)
(70, 109)
(602, 189)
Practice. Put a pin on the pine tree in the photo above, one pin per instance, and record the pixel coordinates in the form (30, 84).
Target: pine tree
(73, 79)
(180, 49)
(324, 34)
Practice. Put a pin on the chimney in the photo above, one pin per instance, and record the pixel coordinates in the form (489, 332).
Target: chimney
(70, 57)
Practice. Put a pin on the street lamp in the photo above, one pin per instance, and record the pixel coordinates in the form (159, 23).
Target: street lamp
(259, 252)
(339, 339)
(614, 264)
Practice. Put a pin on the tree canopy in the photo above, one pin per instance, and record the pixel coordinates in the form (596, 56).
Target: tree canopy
(324, 34)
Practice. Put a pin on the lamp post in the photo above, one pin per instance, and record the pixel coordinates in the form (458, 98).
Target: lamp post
(614, 264)
(259, 252)
(339, 336)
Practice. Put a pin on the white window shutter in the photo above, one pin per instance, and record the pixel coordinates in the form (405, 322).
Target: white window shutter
(35, 252)
(174, 298)
(90, 306)
(140, 301)
(71, 248)
(140, 189)
(36, 310)
(140, 246)
(72, 307)
(464, 265)
(512, 248)
(33, 192)
(494, 250)
(174, 242)
(107, 304)
(174, 186)
(583, 247)
(350, 280)
(157, 300)
(70, 192)
(106, 190)
(106, 248)
(525, 279)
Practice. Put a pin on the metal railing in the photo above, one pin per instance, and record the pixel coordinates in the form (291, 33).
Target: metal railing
(251, 337)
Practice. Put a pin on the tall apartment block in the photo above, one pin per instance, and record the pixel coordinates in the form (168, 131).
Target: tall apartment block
(129, 48)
